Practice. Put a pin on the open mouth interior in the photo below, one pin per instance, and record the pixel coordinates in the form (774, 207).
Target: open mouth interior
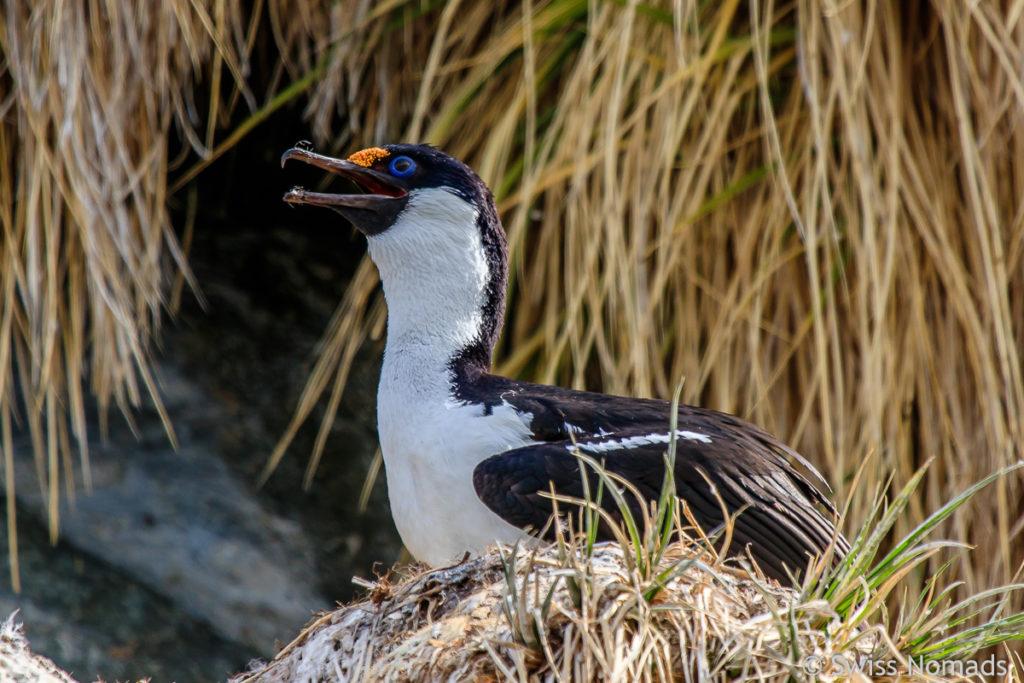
(370, 184)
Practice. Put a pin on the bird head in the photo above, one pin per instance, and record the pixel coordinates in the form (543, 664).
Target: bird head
(433, 232)
(391, 177)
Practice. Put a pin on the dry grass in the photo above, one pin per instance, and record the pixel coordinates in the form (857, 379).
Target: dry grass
(89, 94)
(463, 623)
(811, 211)
(17, 663)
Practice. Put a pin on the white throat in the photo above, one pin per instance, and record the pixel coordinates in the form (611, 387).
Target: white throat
(434, 272)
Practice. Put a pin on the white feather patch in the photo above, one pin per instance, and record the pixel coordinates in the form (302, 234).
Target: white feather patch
(639, 440)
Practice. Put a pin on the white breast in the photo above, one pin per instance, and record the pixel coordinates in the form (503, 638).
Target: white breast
(430, 451)
(434, 272)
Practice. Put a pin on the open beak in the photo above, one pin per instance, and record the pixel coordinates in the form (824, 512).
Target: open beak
(372, 213)
(379, 185)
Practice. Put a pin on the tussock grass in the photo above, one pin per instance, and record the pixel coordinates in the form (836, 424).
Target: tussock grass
(812, 212)
(90, 94)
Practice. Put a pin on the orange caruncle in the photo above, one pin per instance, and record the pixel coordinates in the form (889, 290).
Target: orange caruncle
(368, 157)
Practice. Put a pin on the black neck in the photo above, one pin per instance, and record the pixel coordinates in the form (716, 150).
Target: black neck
(475, 359)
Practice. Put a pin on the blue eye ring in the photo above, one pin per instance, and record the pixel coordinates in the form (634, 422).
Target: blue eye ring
(402, 167)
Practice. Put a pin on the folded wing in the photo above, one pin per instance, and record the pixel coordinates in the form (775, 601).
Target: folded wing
(773, 505)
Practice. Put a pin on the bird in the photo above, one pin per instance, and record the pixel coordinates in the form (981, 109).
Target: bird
(472, 457)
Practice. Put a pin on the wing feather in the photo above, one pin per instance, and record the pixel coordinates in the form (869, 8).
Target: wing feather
(773, 516)
(774, 490)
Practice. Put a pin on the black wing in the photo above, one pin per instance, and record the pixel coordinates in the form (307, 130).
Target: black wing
(772, 516)
(773, 503)
(560, 414)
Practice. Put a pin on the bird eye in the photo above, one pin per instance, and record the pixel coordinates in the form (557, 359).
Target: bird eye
(402, 167)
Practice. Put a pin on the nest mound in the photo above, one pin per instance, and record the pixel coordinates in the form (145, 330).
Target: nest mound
(537, 614)
(19, 665)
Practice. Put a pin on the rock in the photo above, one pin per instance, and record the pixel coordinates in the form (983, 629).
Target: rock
(182, 523)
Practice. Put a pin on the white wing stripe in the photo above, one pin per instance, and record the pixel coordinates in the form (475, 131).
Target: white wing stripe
(639, 440)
